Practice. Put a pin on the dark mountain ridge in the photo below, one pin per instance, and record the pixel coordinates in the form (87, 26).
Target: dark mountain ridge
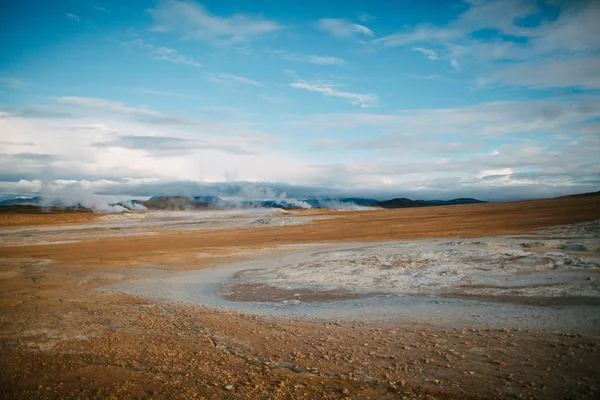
(407, 203)
(215, 202)
(179, 203)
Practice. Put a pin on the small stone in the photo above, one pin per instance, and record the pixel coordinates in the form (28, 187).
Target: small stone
(345, 391)
(229, 387)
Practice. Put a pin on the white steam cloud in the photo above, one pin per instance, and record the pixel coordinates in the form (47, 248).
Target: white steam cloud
(130, 205)
(282, 198)
(75, 195)
(341, 205)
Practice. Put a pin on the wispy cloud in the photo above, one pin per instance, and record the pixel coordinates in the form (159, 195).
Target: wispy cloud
(194, 21)
(165, 53)
(432, 55)
(328, 89)
(94, 138)
(73, 106)
(99, 8)
(168, 145)
(497, 119)
(580, 72)
(366, 17)
(231, 80)
(14, 83)
(420, 34)
(73, 17)
(310, 58)
(273, 99)
(168, 93)
(343, 28)
(563, 49)
(325, 60)
(172, 56)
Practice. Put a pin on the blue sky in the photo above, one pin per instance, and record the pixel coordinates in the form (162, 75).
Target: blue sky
(432, 99)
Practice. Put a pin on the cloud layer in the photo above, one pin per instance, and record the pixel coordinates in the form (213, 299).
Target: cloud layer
(482, 98)
(194, 21)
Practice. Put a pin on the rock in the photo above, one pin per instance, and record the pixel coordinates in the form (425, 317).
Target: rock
(229, 387)
(574, 247)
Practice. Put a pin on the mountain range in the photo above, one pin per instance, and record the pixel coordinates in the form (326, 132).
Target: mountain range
(406, 203)
(214, 202)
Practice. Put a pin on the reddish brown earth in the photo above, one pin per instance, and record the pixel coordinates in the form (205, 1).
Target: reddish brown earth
(61, 338)
(26, 219)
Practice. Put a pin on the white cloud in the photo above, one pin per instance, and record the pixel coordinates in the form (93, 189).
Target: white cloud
(73, 17)
(310, 58)
(325, 60)
(420, 34)
(273, 99)
(173, 56)
(430, 54)
(193, 21)
(550, 116)
(455, 64)
(168, 93)
(231, 80)
(343, 28)
(96, 138)
(580, 72)
(366, 17)
(169, 146)
(118, 148)
(164, 53)
(361, 99)
(74, 107)
(562, 49)
(495, 172)
(14, 83)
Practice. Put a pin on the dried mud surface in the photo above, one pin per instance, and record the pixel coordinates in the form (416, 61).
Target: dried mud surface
(62, 335)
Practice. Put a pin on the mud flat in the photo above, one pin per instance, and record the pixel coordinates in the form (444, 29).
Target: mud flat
(149, 223)
(548, 280)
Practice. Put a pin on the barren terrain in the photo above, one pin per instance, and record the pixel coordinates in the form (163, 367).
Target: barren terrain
(472, 301)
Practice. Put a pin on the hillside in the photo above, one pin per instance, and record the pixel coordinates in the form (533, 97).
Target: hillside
(407, 203)
(180, 203)
(401, 202)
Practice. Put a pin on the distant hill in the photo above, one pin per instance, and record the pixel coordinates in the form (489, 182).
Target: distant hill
(401, 202)
(465, 200)
(214, 202)
(180, 203)
(581, 195)
(21, 201)
(407, 203)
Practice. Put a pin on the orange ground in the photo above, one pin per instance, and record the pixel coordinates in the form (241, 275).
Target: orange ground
(62, 338)
(476, 220)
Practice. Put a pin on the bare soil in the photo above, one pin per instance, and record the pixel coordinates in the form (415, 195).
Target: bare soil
(60, 337)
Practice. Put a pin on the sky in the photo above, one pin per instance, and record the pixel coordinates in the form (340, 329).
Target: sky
(432, 99)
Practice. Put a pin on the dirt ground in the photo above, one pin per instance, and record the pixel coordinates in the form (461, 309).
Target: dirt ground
(61, 337)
